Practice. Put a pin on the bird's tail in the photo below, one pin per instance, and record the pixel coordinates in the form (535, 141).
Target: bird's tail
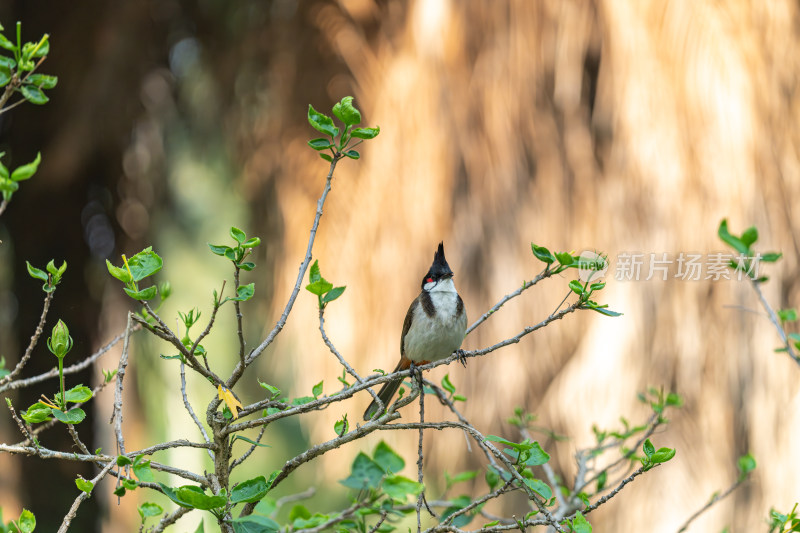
(387, 391)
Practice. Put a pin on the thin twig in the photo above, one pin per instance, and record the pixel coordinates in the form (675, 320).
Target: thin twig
(32, 344)
(714, 499)
(546, 273)
(116, 413)
(74, 434)
(350, 370)
(303, 267)
(421, 496)
(170, 519)
(775, 322)
(77, 367)
(73, 510)
(191, 411)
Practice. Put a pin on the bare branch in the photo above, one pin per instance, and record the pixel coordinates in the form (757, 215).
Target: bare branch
(303, 267)
(31, 345)
(546, 273)
(714, 499)
(773, 317)
(83, 496)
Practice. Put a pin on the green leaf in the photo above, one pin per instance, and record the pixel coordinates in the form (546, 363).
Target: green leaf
(252, 242)
(250, 491)
(27, 522)
(248, 266)
(84, 485)
(399, 487)
(333, 294)
(492, 478)
(245, 292)
(145, 294)
(662, 455)
(219, 249)
(326, 157)
(79, 394)
(352, 154)
(580, 524)
(746, 464)
(43, 49)
(198, 499)
(787, 315)
(447, 384)
(33, 94)
(43, 80)
(564, 258)
(730, 240)
(319, 287)
(341, 426)
(238, 235)
(274, 391)
(251, 441)
(5, 43)
(648, 448)
(24, 172)
(387, 458)
(749, 236)
(148, 509)
(604, 311)
(542, 254)
(365, 133)
(538, 455)
(73, 416)
(771, 257)
(141, 468)
(346, 112)
(123, 461)
(144, 264)
(121, 274)
(36, 273)
(5, 74)
(463, 476)
(314, 273)
(316, 390)
(322, 123)
(364, 473)
(576, 286)
(255, 524)
(539, 487)
(36, 413)
(320, 144)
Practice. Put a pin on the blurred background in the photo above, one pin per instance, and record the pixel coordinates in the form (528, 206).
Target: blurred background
(628, 127)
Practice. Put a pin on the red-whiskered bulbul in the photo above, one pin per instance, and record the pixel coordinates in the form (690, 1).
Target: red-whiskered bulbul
(434, 328)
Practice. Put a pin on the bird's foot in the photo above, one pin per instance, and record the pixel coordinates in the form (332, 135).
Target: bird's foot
(461, 357)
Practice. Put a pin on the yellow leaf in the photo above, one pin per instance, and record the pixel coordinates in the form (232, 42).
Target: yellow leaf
(226, 395)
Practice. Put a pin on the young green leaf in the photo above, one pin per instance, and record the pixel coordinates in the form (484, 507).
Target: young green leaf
(34, 94)
(73, 416)
(387, 458)
(749, 236)
(238, 235)
(731, 240)
(36, 273)
(144, 264)
(322, 123)
(149, 509)
(316, 390)
(346, 112)
(43, 80)
(250, 491)
(26, 171)
(333, 294)
(447, 384)
(84, 485)
(365, 133)
(543, 254)
(320, 144)
(580, 524)
(121, 274)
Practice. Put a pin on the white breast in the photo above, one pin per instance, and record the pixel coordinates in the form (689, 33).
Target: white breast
(434, 338)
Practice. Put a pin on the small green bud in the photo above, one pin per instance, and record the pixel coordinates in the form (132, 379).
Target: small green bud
(60, 341)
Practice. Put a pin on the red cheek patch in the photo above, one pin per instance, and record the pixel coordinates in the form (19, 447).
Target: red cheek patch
(429, 280)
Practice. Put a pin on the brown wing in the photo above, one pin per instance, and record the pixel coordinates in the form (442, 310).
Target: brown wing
(407, 325)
